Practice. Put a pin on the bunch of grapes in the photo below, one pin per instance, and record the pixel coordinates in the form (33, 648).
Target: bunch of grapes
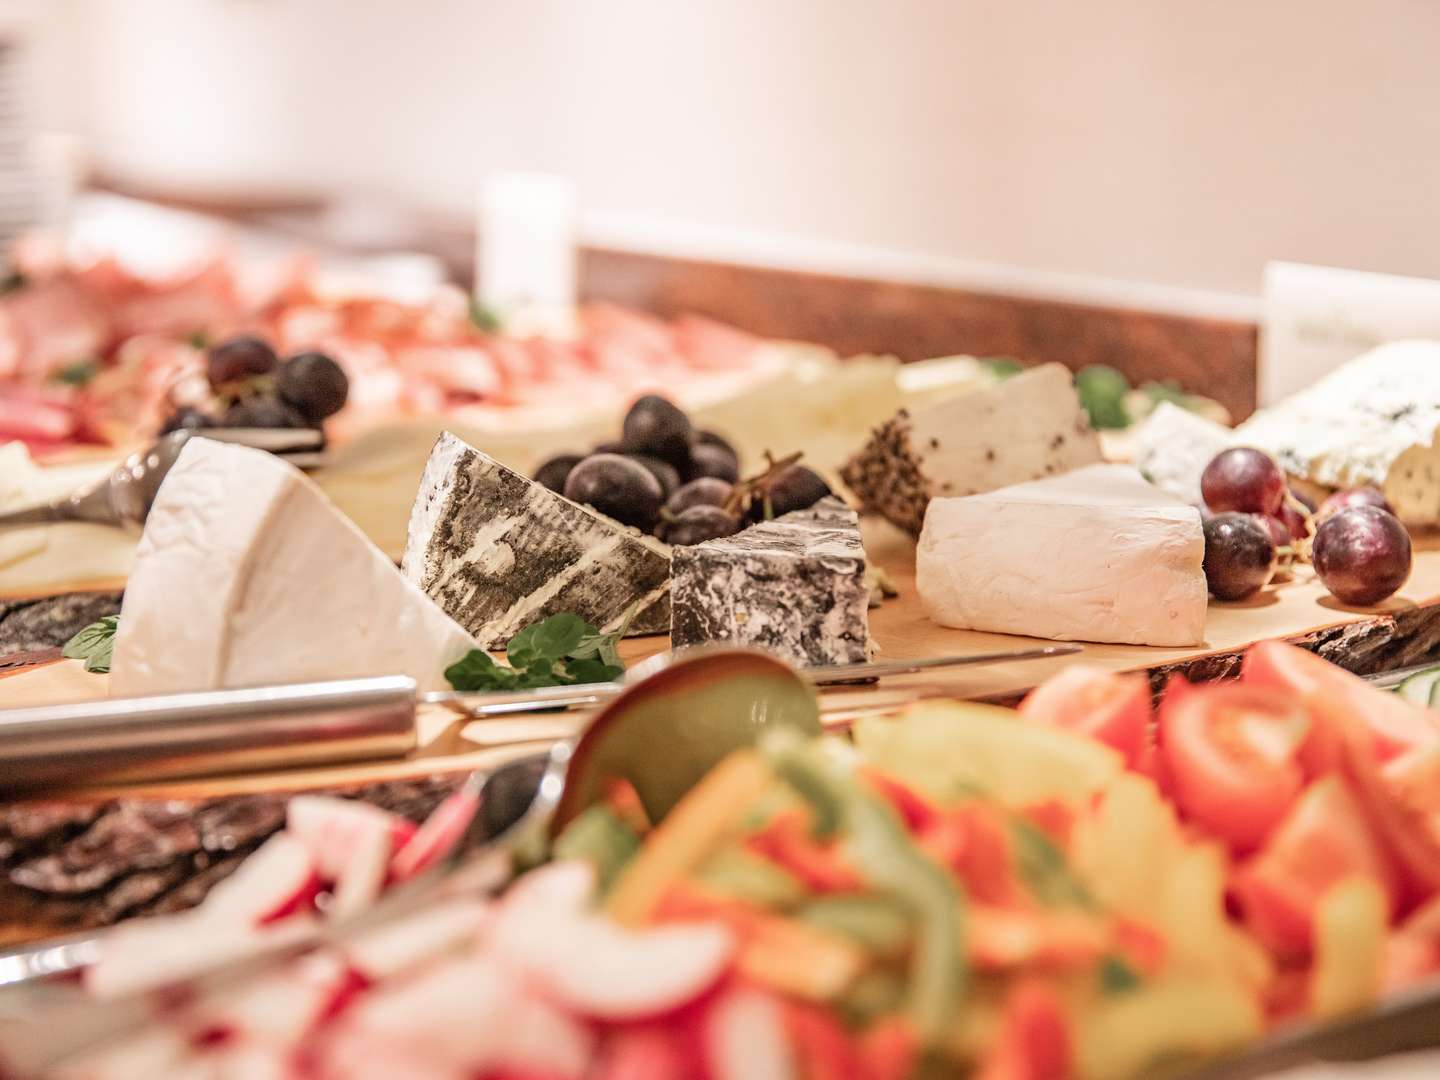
(252, 387)
(1255, 525)
(681, 484)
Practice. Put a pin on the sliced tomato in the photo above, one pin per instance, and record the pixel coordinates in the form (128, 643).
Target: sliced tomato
(1034, 1038)
(1338, 699)
(1322, 841)
(1107, 705)
(1230, 755)
(1402, 801)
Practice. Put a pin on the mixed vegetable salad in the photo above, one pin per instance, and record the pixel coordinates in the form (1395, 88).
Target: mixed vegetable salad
(1089, 887)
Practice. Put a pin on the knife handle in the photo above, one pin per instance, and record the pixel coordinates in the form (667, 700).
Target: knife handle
(206, 733)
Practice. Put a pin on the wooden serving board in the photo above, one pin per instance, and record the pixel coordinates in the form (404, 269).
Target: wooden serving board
(1404, 630)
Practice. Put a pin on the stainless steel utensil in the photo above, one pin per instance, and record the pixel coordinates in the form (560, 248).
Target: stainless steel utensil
(227, 731)
(123, 499)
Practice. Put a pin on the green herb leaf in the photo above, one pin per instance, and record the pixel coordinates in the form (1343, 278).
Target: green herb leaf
(1117, 977)
(484, 317)
(1002, 367)
(1042, 866)
(77, 374)
(95, 644)
(592, 670)
(198, 339)
(548, 641)
(476, 671)
(1102, 392)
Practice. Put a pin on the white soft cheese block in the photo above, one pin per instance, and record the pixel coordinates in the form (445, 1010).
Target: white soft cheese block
(1026, 427)
(1173, 446)
(1373, 421)
(1096, 555)
(247, 575)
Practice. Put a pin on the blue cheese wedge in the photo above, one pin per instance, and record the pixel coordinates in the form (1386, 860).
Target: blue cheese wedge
(248, 575)
(794, 586)
(1026, 427)
(1174, 445)
(1374, 421)
(498, 551)
(1096, 555)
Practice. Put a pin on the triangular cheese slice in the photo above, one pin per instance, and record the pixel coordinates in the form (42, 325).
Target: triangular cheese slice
(247, 575)
(498, 551)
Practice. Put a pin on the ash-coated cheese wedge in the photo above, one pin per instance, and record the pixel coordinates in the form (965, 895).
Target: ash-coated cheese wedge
(498, 551)
(1374, 421)
(1174, 445)
(247, 575)
(1096, 555)
(1022, 428)
(794, 586)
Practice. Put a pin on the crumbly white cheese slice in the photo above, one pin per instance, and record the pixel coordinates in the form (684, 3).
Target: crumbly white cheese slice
(1373, 421)
(1095, 555)
(1173, 446)
(247, 575)
(498, 552)
(1022, 428)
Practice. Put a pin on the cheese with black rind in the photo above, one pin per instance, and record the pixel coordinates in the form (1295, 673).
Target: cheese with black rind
(794, 586)
(1026, 427)
(498, 552)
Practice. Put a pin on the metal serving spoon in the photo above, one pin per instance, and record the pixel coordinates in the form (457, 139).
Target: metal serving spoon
(123, 499)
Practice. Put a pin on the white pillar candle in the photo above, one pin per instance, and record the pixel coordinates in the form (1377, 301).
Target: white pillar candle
(525, 257)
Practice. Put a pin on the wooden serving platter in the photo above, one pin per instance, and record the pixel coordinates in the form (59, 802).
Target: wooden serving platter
(1404, 630)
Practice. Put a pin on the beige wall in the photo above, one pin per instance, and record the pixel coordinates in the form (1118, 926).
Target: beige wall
(1160, 148)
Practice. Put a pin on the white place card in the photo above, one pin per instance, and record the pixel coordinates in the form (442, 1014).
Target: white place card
(1316, 318)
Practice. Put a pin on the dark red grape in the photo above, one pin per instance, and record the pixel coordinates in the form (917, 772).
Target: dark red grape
(1362, 554)
(797, 488)
(237, 359)
(711, 459)
(609, 446)
(617, 486)
(263, 412)
(553, 472)
(1358, 496)
(697, 524)
(1245, 480)
(1239, 555)
(1278, 530)
(663, 471)
(186, 419)
(712, 438)
(1295, 520)
(314, 384)
(657, 427)
(706, 491)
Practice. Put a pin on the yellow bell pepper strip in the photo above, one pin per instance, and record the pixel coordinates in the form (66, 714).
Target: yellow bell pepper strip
(1351, 921)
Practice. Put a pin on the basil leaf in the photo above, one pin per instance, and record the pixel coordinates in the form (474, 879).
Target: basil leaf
(484, 318)
(76, 374)
(553, 639)
(591, 670)
(477, 671)
(95, 644)
(1117, 977)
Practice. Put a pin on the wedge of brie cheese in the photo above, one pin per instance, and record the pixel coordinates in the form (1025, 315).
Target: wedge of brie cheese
(498, 551)
(1173, 446)
(247, 575)
(1374, 421)
(1096, 555)
(1026, 427)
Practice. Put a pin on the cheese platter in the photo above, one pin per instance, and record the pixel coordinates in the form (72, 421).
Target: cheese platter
(979, 543)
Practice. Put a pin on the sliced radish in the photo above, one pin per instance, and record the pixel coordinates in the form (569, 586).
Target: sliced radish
(156, 1052)
(589, 964)
(438, 836)
(150, 953)
(277, 881)
(745, 1038)
(396, 947)
(248, 1061)
(276, 1009)
(558, 888)
(331, 828)
(361, 875)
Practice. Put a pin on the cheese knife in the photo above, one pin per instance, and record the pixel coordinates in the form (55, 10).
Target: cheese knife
(212, 732)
